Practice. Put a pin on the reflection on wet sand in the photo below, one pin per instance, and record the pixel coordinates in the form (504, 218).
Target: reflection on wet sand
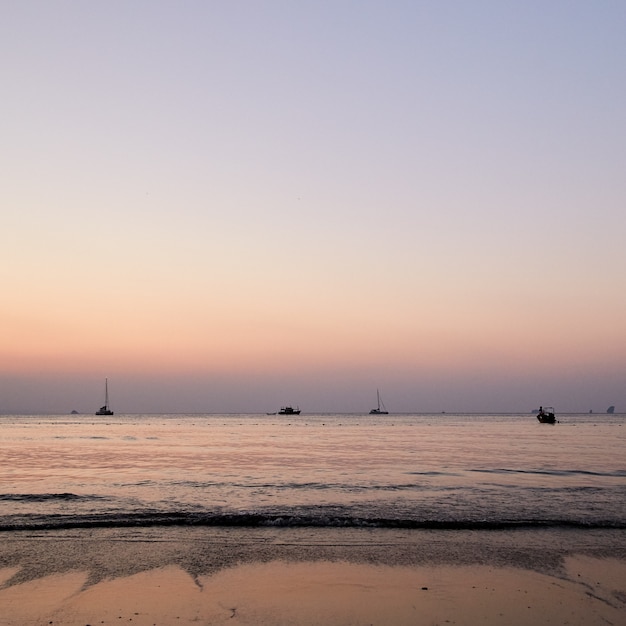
(591, 591)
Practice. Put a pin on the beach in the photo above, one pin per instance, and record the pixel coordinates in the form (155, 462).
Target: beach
(149, 577)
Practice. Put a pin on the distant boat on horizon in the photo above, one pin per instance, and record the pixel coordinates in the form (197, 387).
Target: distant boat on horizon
(289, 410)
(105, 410)
(380, 408)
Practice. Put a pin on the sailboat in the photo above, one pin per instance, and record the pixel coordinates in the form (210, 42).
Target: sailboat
(378, 410)
(105, 410)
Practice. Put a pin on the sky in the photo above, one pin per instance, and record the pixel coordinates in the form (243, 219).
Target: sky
(228, 206)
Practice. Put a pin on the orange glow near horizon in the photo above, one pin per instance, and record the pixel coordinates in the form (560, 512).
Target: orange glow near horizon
(241, 344)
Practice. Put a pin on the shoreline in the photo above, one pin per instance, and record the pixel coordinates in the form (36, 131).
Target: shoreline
(156, 576)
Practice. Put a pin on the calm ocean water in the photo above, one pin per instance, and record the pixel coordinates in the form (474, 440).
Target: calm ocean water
(394, 471)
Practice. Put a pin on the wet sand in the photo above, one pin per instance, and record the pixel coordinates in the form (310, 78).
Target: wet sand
(147, 578)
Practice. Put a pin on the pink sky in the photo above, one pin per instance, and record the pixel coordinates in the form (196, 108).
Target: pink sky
(232, 207)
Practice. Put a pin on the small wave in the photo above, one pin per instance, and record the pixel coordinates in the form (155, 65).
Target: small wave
(552, 472)
(42, 497)
(433, 473)
(294, 486)
(259, 520)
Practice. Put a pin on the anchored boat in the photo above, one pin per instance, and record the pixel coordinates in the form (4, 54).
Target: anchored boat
(380, 408)
(105, 410)
(289, 410)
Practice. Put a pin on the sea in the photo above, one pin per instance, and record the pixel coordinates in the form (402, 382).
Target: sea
(323, 471)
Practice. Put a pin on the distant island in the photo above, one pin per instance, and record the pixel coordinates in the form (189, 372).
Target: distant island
(611, 409)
